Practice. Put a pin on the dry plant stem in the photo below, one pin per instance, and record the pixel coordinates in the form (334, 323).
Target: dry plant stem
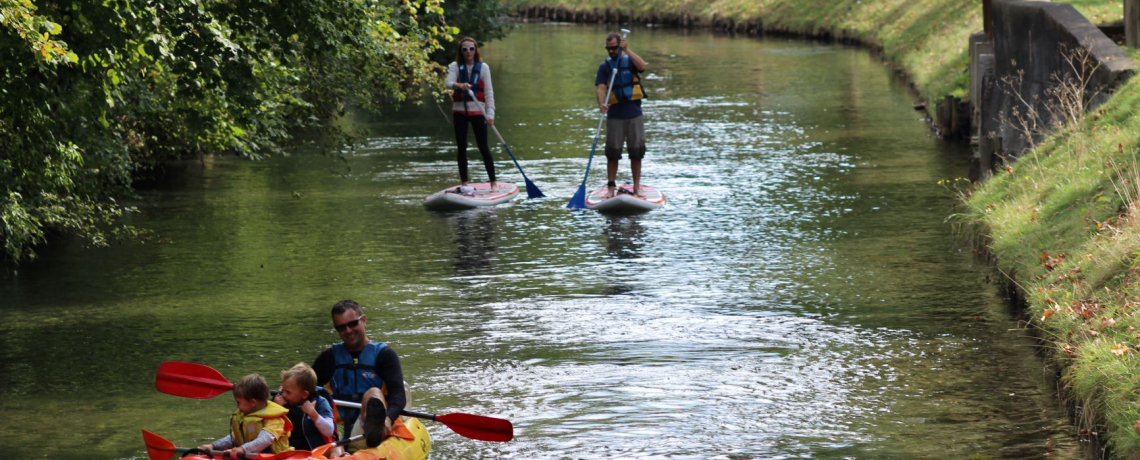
(1064, 104)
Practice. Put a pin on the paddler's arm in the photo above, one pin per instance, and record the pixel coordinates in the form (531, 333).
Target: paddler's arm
(389, 370)
(324, 366)
(263, 441)
(602, 98)
(320, 413)
(638, 62)
(488, 94)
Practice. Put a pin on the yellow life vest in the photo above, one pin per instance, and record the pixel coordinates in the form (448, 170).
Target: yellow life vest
(272, 418)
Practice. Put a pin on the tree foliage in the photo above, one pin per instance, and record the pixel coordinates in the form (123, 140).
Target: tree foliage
(96, 90)
(482, 20)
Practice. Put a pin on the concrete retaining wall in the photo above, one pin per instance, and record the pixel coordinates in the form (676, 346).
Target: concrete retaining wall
(1028, 45)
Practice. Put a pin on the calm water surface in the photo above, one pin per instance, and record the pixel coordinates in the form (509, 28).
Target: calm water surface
(799, 297)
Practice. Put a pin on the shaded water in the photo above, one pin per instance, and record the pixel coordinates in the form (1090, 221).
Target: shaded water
(799, 297)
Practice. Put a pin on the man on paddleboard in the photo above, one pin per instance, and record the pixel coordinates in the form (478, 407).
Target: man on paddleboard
(624, 122)
(356, 370)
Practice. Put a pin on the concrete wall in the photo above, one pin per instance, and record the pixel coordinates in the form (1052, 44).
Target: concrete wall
(1030, 36)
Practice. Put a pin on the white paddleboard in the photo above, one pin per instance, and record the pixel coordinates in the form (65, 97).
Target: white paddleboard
(479, 195)
(620, 202)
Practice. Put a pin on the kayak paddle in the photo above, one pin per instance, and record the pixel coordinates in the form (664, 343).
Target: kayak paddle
(532, 190)
(320, 451)
(199, 381)
(159, 448)
(578, 201)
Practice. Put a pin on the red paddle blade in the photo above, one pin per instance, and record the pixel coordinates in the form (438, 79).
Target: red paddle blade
(157, 447)
(190, 380)
(478, 426)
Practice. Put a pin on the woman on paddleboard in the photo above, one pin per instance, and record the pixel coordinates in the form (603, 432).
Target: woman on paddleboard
(468, 76)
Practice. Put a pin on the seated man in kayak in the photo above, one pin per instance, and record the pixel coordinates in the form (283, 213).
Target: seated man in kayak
(357, 365)
(258, 425)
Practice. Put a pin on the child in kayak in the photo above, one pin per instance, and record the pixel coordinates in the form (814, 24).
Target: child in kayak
(258, 425)
(309, 412)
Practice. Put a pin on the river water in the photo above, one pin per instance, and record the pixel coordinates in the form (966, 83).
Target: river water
(800, 296)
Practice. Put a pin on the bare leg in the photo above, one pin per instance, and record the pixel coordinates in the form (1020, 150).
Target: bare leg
(611, 176)
(635, 167)
(374, 412)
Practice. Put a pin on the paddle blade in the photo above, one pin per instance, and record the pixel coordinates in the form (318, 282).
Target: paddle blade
(158, 447)
(190, 380)
(479, 427)
(532, 190)
(579, 199)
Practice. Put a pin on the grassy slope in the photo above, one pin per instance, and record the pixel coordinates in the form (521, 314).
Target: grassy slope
(926, 38)
(1063, 221)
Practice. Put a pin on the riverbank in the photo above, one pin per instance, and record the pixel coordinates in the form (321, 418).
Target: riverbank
(1062, 223)
(926, 39)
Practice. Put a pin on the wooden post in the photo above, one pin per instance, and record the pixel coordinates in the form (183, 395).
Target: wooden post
(988, 18)
(954, 114)
(1132, 23)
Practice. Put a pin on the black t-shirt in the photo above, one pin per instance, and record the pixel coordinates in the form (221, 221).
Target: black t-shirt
(387, 368)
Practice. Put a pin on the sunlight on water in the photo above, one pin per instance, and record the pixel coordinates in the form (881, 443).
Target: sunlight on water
(799, 296)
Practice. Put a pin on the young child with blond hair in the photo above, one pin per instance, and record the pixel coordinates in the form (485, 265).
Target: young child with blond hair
(310, 413)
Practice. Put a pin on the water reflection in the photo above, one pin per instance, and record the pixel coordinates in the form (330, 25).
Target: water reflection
(624, 236)
(474, 238)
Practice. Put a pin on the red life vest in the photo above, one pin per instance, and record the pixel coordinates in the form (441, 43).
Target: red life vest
(476, 83)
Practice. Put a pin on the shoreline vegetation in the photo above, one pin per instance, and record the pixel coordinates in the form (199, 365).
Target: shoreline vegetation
(1061, 223)
(98, 91)
(100, 96)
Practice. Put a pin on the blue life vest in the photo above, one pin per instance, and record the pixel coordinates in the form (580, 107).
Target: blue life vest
(352, 378)
(627, 83)
(305, 435)
(476, 82)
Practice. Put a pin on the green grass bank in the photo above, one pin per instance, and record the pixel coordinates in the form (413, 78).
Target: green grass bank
(1062, 222)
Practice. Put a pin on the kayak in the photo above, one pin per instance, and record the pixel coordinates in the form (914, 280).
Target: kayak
(472, 196)
(624, 201)
(393, 448)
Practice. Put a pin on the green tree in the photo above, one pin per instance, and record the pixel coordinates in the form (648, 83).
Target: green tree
(482, 20)
(96, 91)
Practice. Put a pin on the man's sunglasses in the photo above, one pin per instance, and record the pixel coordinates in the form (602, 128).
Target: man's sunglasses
(467, 48)
(350, 324)
(611, 48)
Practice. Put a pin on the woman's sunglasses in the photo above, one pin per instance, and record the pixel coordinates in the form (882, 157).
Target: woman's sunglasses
(467, 48)
(348, 325)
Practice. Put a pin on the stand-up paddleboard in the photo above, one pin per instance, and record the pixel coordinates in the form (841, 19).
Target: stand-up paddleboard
(479, 195)
(623, 202)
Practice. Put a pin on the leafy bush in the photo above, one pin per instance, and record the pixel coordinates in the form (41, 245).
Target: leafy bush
(96, 91)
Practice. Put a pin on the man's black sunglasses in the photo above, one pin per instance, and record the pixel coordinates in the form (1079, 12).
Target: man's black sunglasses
(611, 48)
(350, 324)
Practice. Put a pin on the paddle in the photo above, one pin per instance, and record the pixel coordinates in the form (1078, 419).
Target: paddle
(199, 381)
(578, 201)
(320, 451)
(532, 190)
(159, 448)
